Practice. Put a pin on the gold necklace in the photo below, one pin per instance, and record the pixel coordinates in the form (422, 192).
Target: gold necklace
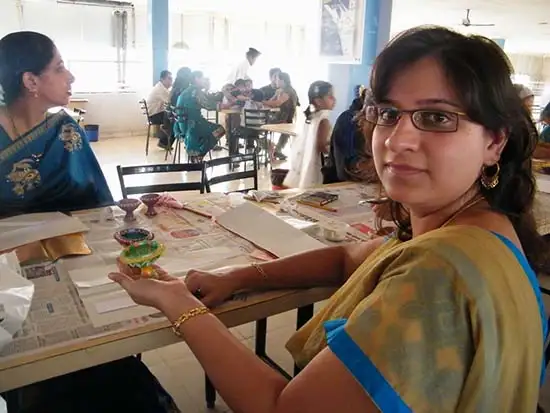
(462, 209)
(15, 131)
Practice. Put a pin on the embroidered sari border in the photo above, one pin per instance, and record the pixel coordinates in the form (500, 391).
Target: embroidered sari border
(31, 136)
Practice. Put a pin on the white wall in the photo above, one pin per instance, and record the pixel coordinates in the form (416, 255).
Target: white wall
(117, 114)
(84, 35)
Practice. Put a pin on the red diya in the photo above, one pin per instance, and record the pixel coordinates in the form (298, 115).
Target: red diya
(130, 236)
(129, 205)
(150, 201)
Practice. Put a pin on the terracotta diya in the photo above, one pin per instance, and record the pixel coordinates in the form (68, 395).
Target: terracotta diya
(150, 201)
(128, 205)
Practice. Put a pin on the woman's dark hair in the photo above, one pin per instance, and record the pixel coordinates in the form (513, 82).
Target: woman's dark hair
(285, 77)
(182, 82)
(22, 52)
(240, 82)
(252, 53)
(274, 71)
(197, 74)
(545, 113)
(364, 166)
(480, 73)
(317, 90)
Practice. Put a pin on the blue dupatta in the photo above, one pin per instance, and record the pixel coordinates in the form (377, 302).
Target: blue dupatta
(50, 168)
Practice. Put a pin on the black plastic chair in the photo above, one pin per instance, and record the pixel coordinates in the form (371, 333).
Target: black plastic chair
(245, 173)
(253, 120)
(197, 185)
(145, 111)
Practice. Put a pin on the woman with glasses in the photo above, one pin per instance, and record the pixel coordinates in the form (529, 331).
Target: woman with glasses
(445, 315)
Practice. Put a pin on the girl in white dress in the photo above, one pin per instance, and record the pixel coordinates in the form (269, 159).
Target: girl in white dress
(307, 149)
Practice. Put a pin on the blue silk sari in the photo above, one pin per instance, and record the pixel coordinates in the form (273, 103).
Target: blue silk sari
(50, 168)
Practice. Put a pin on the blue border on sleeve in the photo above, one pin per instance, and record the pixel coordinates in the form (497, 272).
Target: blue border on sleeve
(363, 369)
(536, 289)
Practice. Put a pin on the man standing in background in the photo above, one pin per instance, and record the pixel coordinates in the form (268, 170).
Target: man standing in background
(159, 97)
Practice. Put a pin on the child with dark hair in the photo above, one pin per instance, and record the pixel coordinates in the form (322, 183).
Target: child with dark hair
(308, 150)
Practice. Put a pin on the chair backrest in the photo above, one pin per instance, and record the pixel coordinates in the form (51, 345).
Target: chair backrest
(244, 173)
(254, 118)
(144, 108)
(197, 185)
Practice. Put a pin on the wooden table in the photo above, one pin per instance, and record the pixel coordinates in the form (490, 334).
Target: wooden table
(68, 356)
(61, 359)
(283, 128)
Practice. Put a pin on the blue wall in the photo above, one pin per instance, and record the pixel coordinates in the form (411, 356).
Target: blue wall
(377, 33)
(500, 42)
(159, 29)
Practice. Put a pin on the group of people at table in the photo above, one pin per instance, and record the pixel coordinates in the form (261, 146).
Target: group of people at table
(189, 93)
(444, 315)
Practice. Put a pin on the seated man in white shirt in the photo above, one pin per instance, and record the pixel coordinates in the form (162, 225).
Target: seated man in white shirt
(159, 97)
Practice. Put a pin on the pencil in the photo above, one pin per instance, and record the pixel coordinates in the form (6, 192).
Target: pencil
(203, 214)
(326, 208)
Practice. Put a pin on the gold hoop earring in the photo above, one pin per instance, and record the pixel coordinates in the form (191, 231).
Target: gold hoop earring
(490, 181)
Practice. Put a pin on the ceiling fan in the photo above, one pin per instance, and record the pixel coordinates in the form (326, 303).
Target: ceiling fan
(466, 22)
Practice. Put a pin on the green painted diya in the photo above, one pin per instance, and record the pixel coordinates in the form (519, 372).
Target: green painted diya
(142, 255)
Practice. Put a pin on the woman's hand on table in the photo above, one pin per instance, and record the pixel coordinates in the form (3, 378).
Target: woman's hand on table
(211, 288)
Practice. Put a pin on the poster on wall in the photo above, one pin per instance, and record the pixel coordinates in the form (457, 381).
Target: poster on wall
(342, 29)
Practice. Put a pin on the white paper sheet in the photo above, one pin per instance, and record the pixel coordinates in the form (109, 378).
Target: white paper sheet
(24, 229)
(267, 231)
(16, 294)
(94, 273)
(543, 183)
(116, 306)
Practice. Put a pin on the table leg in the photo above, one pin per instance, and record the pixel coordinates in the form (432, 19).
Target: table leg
(303, 316)
(210, 393)
(261, 334)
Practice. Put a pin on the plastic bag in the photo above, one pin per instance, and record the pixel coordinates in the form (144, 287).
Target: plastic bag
(16, 295)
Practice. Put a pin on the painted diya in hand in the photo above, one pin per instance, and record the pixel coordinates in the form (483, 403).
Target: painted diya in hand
(130, 236)
(141, 256)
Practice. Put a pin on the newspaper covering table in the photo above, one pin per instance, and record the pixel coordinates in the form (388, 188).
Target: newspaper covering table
(58, 319)
(58, 315)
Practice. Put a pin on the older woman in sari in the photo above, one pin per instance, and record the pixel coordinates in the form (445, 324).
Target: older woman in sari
(46, 163)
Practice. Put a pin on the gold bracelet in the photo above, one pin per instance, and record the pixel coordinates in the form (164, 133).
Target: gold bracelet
(186, 316)
(260, 270)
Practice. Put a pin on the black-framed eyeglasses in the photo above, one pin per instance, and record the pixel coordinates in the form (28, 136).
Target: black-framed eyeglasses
(429, 120)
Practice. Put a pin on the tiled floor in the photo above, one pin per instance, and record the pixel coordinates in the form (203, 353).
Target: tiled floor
(175, 366)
